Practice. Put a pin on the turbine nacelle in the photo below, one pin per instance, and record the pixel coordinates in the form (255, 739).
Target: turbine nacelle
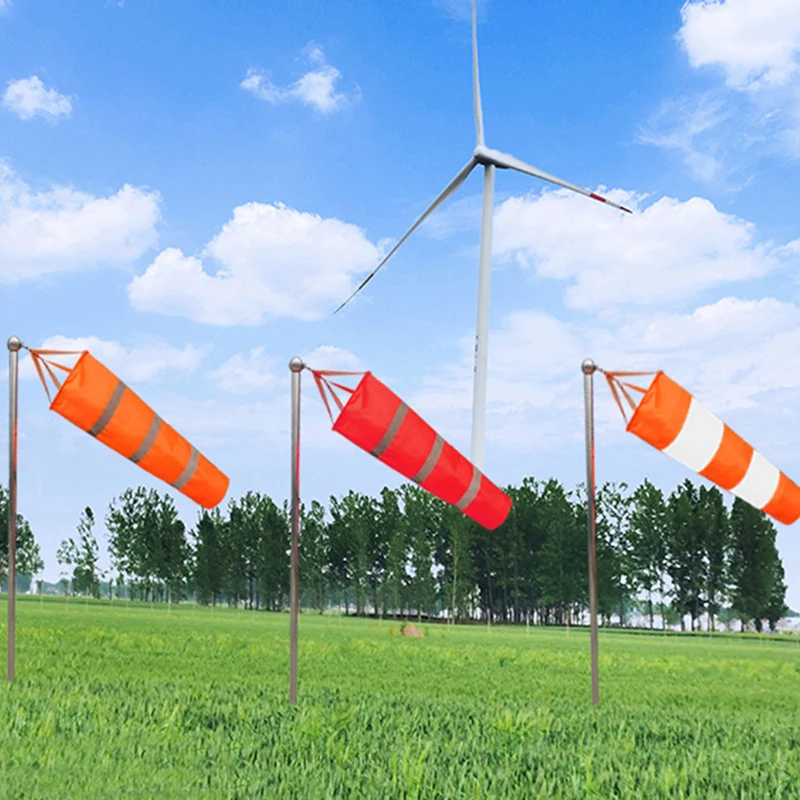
(487, 157)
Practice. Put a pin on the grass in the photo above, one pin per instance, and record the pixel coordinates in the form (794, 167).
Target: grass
(133, 701)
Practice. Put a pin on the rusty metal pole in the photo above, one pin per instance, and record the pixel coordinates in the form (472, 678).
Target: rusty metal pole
(296, 366)
(14, 346)
(588, 367)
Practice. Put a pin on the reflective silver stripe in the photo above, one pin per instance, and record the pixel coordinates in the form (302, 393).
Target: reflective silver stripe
(189, 470)
(109, 410)
(430, 461)
(472, 489)
(391, 431)
(144, 448)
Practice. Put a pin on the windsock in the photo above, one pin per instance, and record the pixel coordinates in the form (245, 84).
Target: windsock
(98, 402)
(378, 421)
(673, 421)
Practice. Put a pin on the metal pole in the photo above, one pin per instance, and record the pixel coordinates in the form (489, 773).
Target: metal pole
(589, 368)
(14, 346)
(296, 366)
(482, 327)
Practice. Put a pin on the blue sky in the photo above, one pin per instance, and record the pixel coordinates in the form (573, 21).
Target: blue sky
(189, 189)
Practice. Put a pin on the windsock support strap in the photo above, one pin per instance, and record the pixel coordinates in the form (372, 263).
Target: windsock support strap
(326, 386)
(39, 361)
(619, 387)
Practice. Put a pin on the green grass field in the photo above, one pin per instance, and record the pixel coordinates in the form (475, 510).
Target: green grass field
(133, 701)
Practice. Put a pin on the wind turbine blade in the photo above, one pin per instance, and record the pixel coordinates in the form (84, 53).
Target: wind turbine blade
(448, 190)
(476, 85)
(505, 161)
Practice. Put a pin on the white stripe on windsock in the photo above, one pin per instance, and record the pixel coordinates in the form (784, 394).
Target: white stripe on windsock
(699, 439)
(759, 482)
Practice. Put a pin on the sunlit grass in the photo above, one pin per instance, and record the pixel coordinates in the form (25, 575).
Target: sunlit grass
(133, 701)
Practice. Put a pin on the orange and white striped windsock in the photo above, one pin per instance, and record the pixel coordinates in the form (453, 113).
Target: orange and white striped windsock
(677, 423)
(94, 399)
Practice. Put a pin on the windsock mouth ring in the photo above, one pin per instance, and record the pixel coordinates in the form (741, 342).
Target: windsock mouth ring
(635, 413)
(69, 379)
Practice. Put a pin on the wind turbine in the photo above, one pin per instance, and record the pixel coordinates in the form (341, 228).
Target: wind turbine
(489, 159)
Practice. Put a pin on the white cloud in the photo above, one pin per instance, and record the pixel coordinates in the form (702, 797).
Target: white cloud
(755, 42)
(221, 421)
(316, 88)
(459, 215)
(264, 417)
(528, 384)
(137, 364)
(5, 5)
(273, 262)
(732, 350)
(29, 97)
(62, 229)
(754, 110)
(244, 373)
(257, 371)
(667, 251)
(735, 355)
(684, 126)
(330, 357)
(256, 421)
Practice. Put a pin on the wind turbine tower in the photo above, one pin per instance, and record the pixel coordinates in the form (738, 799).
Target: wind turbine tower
(490, 160)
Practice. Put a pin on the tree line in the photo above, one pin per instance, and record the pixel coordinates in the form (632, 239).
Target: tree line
(406, 553)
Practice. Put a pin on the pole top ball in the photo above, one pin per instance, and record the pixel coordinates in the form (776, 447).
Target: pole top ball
(14, 344)
(296, 364)
(588, 366)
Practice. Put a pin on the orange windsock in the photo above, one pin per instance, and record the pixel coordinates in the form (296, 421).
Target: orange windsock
(378, 421)
(677, 423)
(98, 402)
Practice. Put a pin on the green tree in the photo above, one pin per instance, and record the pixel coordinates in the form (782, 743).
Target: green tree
(66, 556)
(354, 516)
(29, 559)
(648, 542)
(272, 554)
(562, 561)
(82, 556)
(235, 551)
(340, 552)
(125, 514)
(313, 552)
(716, 545)
(246, 534)
(378, 541)
(457, 578)
(421, 515)
(686, 559)
(776, 607)
(147, 542)
(208, 557)
(390, 520)
(172, 549)
(528, 519)
(756, 571)
(515, 554)
(614, 563)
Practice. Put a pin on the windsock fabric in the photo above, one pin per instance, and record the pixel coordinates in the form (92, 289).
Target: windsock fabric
(378, 421)
(98, 402)
(678, 424)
